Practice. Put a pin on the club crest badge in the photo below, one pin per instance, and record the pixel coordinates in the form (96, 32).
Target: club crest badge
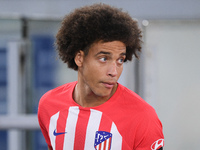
(102, 140)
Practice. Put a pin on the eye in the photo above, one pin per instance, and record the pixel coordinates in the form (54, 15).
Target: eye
(103, 59)
(121, 60)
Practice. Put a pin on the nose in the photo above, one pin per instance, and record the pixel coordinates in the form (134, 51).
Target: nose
(112, 69)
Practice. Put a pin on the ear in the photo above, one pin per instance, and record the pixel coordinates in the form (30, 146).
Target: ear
(79, 57)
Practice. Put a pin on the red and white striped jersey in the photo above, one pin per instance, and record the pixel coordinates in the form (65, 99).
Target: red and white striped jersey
(124, 122)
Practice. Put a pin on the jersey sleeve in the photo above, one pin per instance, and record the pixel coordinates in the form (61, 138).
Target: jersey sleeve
(43, 120)
(149, 134)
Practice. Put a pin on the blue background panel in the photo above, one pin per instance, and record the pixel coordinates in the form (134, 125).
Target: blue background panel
(3, 97)
(3, 81)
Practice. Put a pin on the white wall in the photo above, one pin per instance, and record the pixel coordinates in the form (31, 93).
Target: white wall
(172, 80)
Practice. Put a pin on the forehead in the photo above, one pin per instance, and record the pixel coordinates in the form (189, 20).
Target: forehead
(112, 47)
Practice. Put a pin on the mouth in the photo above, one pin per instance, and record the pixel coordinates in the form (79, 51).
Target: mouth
(109, 85)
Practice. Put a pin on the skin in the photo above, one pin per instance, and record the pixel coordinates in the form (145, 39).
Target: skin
(98, 72)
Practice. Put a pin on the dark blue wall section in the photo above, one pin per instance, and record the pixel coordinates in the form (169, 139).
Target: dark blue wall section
(39, 141)
(3, 80)
(3, 140)
(3, 87)
(44, 66)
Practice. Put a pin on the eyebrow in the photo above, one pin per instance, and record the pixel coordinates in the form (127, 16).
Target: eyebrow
(102, 52)
(108, 53)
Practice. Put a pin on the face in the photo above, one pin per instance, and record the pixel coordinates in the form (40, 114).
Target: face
(101, 68)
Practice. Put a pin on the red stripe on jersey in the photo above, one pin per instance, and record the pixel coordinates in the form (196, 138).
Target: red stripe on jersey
(105, 124)
(105, 142)
(100, 146)
(109, 144)
(81, 128)
(61, 125)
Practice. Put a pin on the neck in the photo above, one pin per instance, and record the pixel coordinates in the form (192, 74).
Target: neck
(86, 98)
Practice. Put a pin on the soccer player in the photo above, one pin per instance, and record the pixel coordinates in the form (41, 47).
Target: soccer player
(96, 112)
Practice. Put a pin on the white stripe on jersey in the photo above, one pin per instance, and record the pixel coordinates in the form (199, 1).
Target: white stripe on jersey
(93, 126)
(71, 124)
(116, 138)
(107, 144)
(52, 127)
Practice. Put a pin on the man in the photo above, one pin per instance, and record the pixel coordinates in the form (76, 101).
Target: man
(96, 112)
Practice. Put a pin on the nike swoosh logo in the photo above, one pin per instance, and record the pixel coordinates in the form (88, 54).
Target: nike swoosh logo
(58, 133)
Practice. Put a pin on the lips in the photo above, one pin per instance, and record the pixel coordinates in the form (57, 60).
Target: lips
(109, 84)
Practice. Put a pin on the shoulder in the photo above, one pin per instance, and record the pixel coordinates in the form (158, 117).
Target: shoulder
(56, 99)
(58, 92)
(133, 101)
(135, 108)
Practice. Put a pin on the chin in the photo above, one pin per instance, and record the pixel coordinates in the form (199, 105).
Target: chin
(104, 93)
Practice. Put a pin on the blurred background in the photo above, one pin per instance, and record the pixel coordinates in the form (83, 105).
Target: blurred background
(167, 75)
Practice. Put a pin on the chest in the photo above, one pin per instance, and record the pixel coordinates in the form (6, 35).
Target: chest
(78, 129)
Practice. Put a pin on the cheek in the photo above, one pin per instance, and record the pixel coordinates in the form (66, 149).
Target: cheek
(93, 67)
(119, 71)
(91, 71)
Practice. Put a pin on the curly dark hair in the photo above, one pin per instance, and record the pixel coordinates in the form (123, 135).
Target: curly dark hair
(98, 22)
